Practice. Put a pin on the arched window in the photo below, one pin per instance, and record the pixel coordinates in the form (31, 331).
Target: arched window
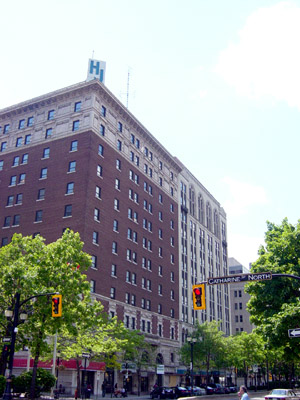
(208, 216)
(200, 210)
(159, 359)
(192, 201)
(216, 223)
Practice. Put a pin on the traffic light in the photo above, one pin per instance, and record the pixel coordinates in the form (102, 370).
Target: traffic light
(5, 351)
(57, 305)
(199, 297)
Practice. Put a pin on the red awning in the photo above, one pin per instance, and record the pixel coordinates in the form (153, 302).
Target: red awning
(71, 364)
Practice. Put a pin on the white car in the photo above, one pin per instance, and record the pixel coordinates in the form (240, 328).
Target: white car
(198, 391)
(282, 394)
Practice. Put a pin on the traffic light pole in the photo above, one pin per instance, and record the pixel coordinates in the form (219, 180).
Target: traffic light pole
(7, 395)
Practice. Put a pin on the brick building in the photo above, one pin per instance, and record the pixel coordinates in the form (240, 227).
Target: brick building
(77, 158)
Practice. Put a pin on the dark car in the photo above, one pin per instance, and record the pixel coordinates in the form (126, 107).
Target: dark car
(162, 392)
(232, 388)
(181, 391)
(219, 389)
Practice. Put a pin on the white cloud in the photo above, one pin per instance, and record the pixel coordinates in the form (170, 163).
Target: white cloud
(265, 63)
(244, 248)
(242, 196)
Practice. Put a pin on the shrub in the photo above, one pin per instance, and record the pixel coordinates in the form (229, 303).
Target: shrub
(44, 382)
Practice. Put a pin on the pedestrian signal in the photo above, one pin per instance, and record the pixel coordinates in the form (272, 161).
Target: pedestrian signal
(199, 297)
(57, 305)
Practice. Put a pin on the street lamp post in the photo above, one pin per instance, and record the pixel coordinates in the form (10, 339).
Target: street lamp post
(192, 340)
(16, 321)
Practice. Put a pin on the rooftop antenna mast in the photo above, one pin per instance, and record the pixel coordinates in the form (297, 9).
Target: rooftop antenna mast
(127, 94)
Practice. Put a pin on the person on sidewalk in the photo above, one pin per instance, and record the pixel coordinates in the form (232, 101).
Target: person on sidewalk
(243, 395)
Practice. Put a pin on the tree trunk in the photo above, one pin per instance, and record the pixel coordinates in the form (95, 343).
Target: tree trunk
(35, 362)
(78, 377)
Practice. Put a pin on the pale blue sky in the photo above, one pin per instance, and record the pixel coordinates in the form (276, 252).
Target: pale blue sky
(217, 82)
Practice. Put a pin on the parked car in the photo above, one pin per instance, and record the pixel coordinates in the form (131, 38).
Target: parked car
(232, 388)
(219, 389)
(210, 389)
(181, 391)
(162, 392)
(282, 394)
(197, 390)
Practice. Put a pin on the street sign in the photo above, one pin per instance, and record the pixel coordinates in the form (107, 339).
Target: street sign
(86, 355)
(6, 340)
(261, 276)
(294, 332)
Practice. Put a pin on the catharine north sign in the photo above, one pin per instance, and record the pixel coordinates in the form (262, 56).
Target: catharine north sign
(261, 276)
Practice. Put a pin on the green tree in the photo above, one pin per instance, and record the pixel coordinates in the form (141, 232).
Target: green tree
(140, 352)
(274, 305)
(208, 348)
(29, 267)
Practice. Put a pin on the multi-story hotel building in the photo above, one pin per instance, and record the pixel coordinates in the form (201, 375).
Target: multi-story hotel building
(77, 158)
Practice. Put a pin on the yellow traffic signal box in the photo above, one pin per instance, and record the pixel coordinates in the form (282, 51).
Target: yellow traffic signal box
(199, 297)
(57, 305)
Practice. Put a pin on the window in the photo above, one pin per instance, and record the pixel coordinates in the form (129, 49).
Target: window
(143, 303)
(133, 278)
(72, 166)
(16, 220)
(172, 241)
(127, 296)
(49, 132)
(172, 312)
(75, 125)
(160, 233)
(4, 241)
(16, 161)
(172, 294)
(98, 192)
(117, 184)
(46, 152)
(19, 142)
(68, 210)
(116, 226)
(7, 221)
(6, 129)
(137, 161)
(1, 165)
(160, 181)
(160, 198)
(160, 165)
(44, 172)
(172, 207)
(137, 143)
(39, 216)
(159, 309)
(74, 145)
(160, 216)
(25, 158)
(172, 276)
(119, 145)
(10, 201)
(27, 139)
(22, 178)
(241, 318)
(21, 123)
(3, 146)
(102, 130)
(148, 284)
(236, 318)
(172, 258)
(100, 150)
(113, 270)
(103, 111)
(118, 164)
(41, 194)
(112, 293)
(172, 191)
(159, 330)
(95, 237)
(97, 214)
(160, 290)
(50, 115)
(160, 268)
(235, 306)
(241, 306)
(115, 248)
(19, 198)
(120, 127)
(94, 262)
(128, 276)
(148, 327)
(30, 121)
(99, 170)
(13, 180)
(160, 252)
(77, 106)
(93, 285)
(172, 224)
(70, 188)
(240, 293)
(116, 204)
